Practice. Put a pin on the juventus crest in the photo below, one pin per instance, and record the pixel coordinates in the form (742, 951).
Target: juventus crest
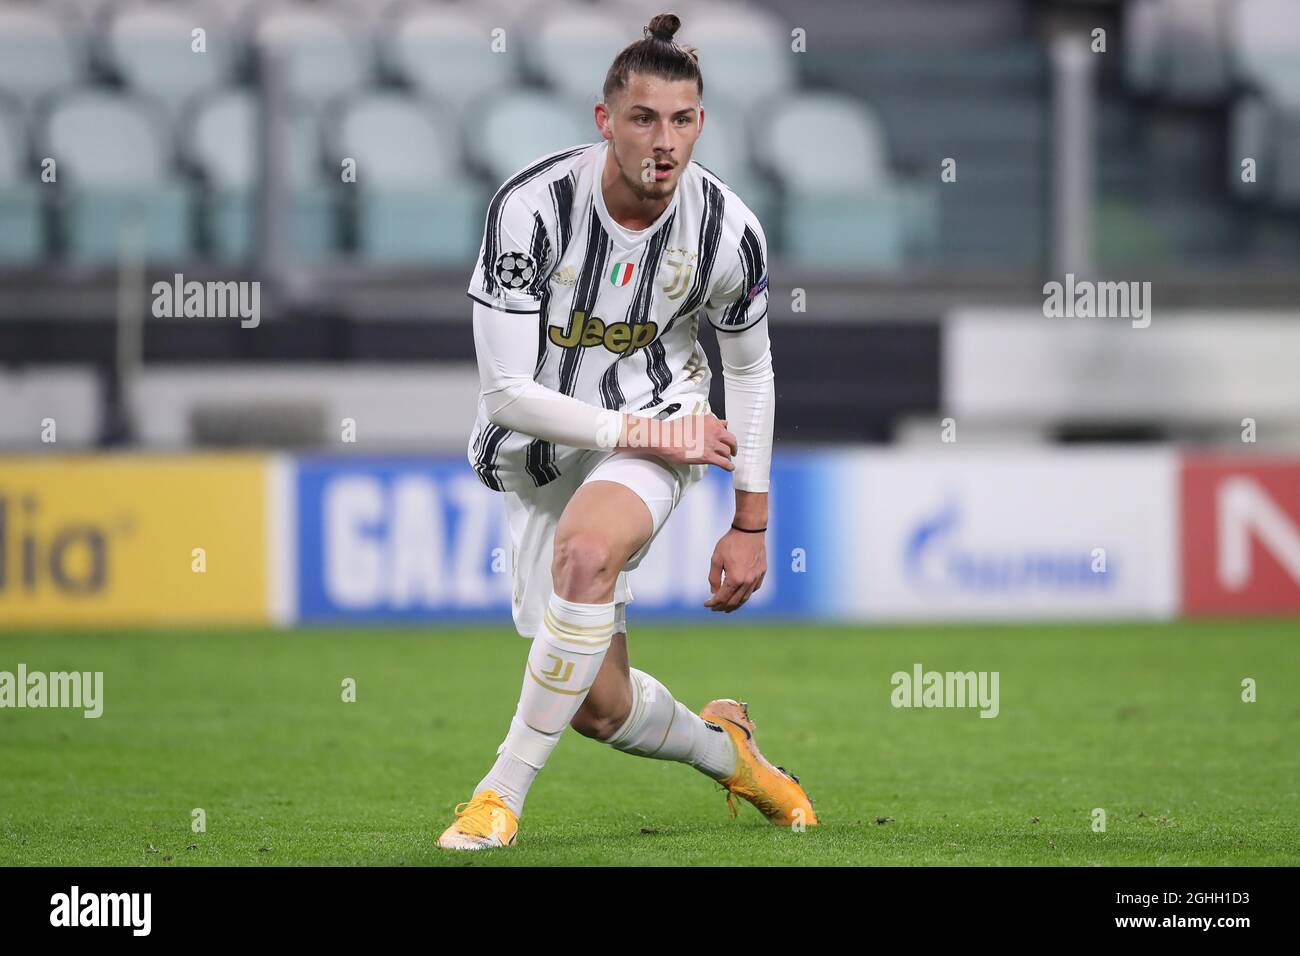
(680, 266)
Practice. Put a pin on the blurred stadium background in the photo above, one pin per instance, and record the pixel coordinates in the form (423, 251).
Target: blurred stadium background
(922, 168)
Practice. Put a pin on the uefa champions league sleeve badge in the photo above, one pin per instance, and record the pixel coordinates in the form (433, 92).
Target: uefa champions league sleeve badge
(514, 270)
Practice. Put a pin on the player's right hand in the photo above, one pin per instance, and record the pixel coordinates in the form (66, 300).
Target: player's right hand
(697, 440)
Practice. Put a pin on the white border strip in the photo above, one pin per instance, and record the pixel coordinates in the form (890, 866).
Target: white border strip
(282, 540)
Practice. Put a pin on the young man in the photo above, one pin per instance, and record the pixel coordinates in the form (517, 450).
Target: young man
(596, 266)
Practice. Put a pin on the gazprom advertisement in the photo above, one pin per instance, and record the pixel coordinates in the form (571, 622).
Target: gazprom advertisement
(996, 534)
(421, 539)
(853, 535)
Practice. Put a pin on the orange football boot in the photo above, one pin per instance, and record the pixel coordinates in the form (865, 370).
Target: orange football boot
(773, 790)
(483, 823)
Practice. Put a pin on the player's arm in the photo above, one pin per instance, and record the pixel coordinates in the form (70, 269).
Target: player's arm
(515, 261)
(749, 385)
(506, 344)
(740, 558)
(737, 310)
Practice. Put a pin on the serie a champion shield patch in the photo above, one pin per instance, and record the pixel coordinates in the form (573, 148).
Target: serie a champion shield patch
(621, 274)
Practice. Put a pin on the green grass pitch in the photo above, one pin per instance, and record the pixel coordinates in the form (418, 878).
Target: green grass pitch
(1143, 720)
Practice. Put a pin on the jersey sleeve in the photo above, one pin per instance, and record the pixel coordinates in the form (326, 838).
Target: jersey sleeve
(738, 299)
(516, 256)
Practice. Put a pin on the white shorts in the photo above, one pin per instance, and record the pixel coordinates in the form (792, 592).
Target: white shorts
(534, 514)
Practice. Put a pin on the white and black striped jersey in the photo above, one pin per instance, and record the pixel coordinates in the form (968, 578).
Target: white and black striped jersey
(616, 312)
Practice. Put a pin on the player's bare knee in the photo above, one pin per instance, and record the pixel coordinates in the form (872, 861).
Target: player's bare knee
(584, 561)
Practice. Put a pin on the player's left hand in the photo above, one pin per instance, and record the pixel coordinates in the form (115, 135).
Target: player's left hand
(737, 570)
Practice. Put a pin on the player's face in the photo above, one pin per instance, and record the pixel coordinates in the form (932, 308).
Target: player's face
(652, 126)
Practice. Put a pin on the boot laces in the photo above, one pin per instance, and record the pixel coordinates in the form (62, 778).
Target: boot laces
(482, 815)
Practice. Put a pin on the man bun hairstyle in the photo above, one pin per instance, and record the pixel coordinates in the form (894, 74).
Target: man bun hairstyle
(658, 54)
(663, 27)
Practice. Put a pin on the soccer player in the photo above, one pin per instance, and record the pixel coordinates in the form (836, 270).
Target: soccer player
(597, 265)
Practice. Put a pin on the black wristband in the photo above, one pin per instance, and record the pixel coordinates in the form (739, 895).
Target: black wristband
(748, 530)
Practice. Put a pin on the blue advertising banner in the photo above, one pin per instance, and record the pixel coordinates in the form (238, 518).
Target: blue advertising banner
(420, 539)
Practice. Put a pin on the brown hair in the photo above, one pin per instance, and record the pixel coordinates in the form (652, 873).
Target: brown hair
(658, 54)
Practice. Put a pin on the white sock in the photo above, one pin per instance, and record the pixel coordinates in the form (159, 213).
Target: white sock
(564, 660)
(511, 775)
(663, 728)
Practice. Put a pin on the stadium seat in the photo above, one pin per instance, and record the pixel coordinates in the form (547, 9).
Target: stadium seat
(634, 14)
(222, 143)
(724, 149)
(1286, 150)
(522, 125)
(519, 18)
(723, 144)
(871, 26)
(1269, 133)
(91, 14)
(372, 14)
(1266, 120)
(114, 170)
(239, 16)
(37, 55)
(922, 128)
(22, 239)
(573, 45)
(150, 47)
(324, 55)
(415, 203)
(986, 218)
(1266, 40)
(841, 207)
(445, 52)
(857, 164)
(1177, 49)
(640, 11)
(1143, 45)
(744, 53)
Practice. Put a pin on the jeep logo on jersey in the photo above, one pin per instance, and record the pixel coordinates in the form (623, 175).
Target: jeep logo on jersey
(621, 338)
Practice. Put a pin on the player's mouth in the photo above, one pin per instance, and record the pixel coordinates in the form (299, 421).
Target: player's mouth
(663, 171)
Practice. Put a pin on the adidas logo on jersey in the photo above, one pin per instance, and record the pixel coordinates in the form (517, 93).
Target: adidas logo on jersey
(566, 276)
(621, 338)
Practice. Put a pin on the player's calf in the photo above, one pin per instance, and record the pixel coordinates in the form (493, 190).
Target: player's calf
(663, 728)
(609, 701)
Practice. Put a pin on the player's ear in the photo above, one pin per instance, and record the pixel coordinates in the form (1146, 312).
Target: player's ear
(602, 121)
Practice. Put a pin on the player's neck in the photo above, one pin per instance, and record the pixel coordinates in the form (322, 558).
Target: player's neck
(625, 206)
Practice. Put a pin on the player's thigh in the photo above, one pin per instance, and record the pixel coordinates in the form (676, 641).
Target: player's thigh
(657, 484)
(606, 512)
